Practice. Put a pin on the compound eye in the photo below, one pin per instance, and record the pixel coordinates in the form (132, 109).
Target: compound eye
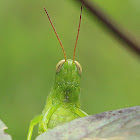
(59, 65)
(79, 68)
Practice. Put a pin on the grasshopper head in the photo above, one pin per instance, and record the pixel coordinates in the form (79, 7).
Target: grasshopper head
(67, 80)
(68, 72)
(69, 65)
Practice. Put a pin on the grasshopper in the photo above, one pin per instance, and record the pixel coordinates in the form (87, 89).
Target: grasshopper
(63, 101)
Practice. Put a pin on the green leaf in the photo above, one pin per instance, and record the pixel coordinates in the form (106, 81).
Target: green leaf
(3, 135)
(123, 124)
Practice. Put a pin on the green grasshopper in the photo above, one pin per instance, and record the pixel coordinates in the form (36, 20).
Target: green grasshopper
(63, 104)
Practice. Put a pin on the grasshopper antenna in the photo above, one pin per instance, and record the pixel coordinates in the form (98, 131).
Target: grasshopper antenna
(77, 35)
(56, 35)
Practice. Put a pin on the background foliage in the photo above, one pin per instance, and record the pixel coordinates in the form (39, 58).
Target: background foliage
(30, 51)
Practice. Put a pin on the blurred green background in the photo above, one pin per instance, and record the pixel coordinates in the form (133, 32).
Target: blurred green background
(30, 51)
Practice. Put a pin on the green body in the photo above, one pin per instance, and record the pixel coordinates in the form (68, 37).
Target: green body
(63, 103)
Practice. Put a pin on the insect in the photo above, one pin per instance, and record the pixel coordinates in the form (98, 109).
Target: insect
(63, 104)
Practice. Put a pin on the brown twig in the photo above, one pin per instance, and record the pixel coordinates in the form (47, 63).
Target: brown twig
(111, 26)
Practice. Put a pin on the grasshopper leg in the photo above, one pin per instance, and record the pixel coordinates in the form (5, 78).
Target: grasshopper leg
(47, 116)
(33, 122)
(80, 112)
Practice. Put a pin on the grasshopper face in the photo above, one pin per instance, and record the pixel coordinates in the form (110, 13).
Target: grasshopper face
(67, 80)
(68, 72)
